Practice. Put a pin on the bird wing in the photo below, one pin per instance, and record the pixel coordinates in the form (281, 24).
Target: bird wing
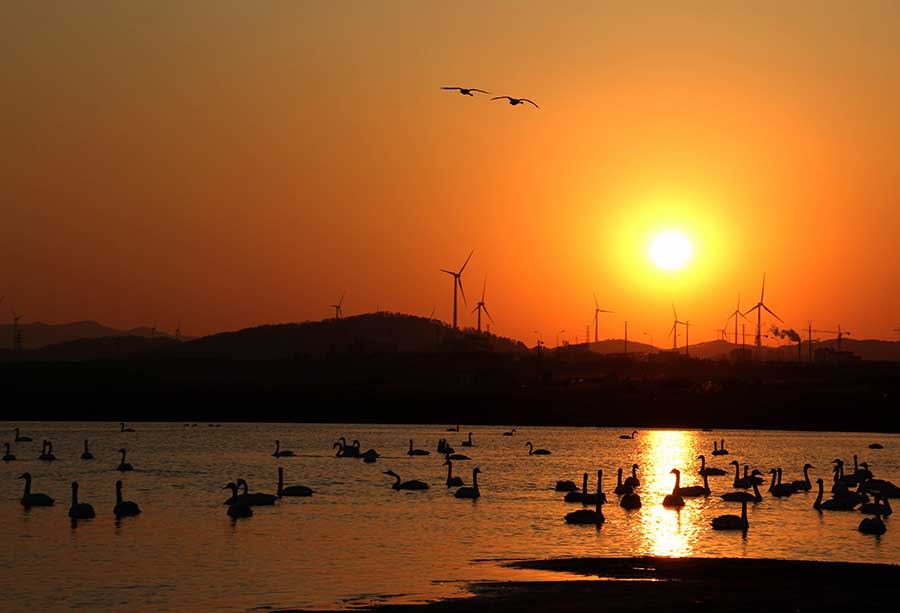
(479, 90)
(501, 98)
(451, 88)
(530, 102)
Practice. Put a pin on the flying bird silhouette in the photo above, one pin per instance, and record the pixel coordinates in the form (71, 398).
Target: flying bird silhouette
(467, 91)
(515, 101)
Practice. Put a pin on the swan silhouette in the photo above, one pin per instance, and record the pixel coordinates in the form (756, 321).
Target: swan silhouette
(456, 456)
(467, 91)
(834, 504)
(370, 456)
(8, 457)
(470, 492)
(123, 465)
(33, 500)
(876, 446)
(87, 455)
(732, 522)
(876, 508)
(256, 499)
(741, 482)
(630, 501)
(566, 486)
(587, 516)
(777, 488)
(468, 442)
(510, 432)
(405, 485)
(124, 508)
(416, 451)
(692, 491)
(872, 525)
(291, 490)
(803, 485)
(47, 456)
(674, 499)
(621, 488)
(533, 451)
(515, 101)
(281, 453)
(742, 496)
(21, 439)
(592, 498)
(80, 510)
(451, 480)
(122, 428)
(628, 436)
(719, 450)
(575, 495)
(237, 508)
(633, 481)
(712, 472)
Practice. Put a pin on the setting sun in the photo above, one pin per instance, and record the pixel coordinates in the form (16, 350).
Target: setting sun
(670, 250)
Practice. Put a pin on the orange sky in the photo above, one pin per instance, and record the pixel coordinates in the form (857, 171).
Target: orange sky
(229, 164)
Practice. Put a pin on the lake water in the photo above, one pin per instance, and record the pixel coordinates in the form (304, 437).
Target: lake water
(357, 541)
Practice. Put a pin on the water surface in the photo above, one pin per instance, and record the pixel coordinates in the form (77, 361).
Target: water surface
(358, 541)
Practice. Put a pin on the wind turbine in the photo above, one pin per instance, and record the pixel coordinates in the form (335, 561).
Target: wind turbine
(758, 308)
(457, 283)
(337, 307)
(597, 311)
(17, 337)
(737, 313)
(674, 330)
(481, 305)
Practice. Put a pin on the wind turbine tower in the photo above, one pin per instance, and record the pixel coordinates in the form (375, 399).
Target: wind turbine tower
(597, 311)
(457, 284)
(737, 313)
(482, 306)
(758, 308)
(338, 311)
(674, 331)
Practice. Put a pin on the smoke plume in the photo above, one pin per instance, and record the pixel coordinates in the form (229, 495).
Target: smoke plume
(786, 333)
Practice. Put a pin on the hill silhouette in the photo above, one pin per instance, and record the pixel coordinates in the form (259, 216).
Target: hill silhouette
(361, 335)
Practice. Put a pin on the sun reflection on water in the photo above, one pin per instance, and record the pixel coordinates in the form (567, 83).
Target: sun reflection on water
(667, 532)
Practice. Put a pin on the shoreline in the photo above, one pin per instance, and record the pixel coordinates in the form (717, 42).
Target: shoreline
(682, 584)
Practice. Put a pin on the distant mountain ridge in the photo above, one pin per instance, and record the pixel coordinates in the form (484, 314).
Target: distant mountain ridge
(39, 334)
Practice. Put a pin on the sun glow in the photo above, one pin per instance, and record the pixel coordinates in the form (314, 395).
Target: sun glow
(670, 250)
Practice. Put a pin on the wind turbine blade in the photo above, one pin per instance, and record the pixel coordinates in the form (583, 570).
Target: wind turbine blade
(738, 308)
(763, 292)
(483, 287)
(486, 312)
(461, 291)
(476, 308)
(672, 331)
(750, 310)
(466, 263)
(449, 272)
(773, 314)
(595, 318)
(341, 301)
(596, 304)
(673, 311)
(604, 311)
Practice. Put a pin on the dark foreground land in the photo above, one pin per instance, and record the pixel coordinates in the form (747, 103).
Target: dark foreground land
(687, 584)
(461, 387)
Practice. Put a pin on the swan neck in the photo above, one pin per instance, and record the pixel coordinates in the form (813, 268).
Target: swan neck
(475, 480)
(28, 485)
(74, 495)
(818, 501)
(677, 483)
(118, 494)
(744, 511)
(280, 482)
(619, 477)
